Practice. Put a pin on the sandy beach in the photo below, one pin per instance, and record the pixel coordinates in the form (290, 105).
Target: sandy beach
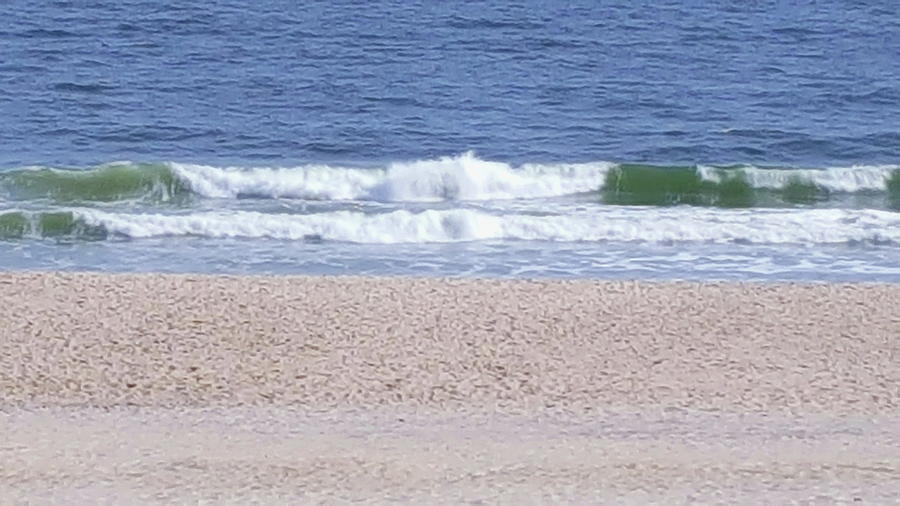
(185, 388)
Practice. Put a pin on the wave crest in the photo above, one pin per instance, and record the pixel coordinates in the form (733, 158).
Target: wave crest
(457, 178)
(604, 224)
(463, 177)
(106, 183)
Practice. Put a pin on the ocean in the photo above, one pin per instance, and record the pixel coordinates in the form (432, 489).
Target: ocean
(646, 140)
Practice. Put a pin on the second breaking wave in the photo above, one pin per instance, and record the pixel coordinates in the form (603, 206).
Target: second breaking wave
(599, 224)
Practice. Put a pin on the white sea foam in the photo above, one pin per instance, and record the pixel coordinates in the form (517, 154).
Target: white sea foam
(316, 182)
(469, 178)
(604, 223)
(463, 177)
(837, 179)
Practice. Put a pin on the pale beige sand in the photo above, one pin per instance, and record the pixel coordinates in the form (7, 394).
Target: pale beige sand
(277, 455)
(235, 389)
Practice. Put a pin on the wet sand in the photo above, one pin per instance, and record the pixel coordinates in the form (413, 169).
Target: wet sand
(233, 389)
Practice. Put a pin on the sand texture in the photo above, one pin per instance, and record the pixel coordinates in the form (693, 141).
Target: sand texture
(160, 388)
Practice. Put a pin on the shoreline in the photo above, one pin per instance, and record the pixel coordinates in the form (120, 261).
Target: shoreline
(167, 388)
(15, 272)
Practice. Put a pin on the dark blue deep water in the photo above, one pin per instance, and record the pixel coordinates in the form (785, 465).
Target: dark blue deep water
(746, 140)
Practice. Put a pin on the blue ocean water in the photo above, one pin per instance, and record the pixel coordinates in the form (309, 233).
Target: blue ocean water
(753, 140)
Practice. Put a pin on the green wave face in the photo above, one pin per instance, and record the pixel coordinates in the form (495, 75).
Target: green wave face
(108, 183)
(800, 191)
(19, 224)
(893, 189)
(647, 185)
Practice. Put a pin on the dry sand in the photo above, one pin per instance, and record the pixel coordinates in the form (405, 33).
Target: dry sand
(129, 388)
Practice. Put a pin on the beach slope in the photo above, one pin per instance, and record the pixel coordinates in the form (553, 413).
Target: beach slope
(278, 389)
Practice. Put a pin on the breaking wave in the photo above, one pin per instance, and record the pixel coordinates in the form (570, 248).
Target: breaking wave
(106, 183)
(16, 224)
(458, 178)
(600, 224)
(463, 177)
(631, 184)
